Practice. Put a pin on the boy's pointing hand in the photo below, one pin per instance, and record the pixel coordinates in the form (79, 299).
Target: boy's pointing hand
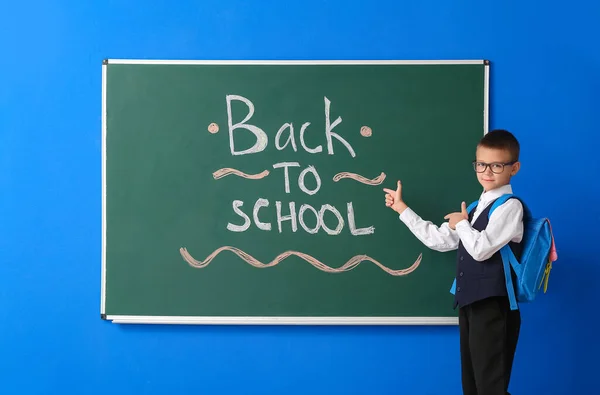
(454, 218)
(393, 199)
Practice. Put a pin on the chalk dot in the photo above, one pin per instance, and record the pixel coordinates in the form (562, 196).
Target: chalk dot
(213, 128)
(366, 131)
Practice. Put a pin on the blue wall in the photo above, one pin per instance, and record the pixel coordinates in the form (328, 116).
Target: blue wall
(545, 88)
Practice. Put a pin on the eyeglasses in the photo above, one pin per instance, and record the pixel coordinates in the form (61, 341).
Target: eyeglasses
(496, 167)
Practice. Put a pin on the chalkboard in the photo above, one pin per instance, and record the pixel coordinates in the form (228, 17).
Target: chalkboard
(251, 192)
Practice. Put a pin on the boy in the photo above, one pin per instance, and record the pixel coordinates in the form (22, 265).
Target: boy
(489, 330)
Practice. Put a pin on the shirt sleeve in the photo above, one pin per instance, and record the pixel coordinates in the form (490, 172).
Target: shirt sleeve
(440, 238)
(505, 225)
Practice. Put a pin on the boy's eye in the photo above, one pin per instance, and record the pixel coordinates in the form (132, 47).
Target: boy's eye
(496, 166)
(480, 165)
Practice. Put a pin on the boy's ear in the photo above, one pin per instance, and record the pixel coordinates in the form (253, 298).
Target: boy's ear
(515, 168)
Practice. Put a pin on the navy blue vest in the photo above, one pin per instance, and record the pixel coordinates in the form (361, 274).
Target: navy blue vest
(480, 280)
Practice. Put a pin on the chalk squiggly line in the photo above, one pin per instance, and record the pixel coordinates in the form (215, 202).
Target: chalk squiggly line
(375, 181)
(227, 171)
(349, 265)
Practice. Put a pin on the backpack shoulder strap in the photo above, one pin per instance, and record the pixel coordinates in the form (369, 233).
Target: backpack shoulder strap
(500, 201)
(504, 198)
(472, 206)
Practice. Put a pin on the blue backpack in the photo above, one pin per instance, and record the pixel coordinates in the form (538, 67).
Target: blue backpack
(539, 251)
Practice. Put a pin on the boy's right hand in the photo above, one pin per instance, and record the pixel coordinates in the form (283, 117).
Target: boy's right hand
(393, 199)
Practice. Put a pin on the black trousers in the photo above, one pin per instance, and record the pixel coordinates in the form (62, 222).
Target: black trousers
(489, 332)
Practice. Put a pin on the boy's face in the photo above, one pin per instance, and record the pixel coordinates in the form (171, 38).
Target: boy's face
(500, 175)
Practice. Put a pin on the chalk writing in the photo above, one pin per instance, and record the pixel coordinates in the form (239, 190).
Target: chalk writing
(295, 218)
(286, 175)
(213, 128)
(288, 213)
(227, 171)
(375, 181)
(291, 216)
(262, 139)
(352, 263)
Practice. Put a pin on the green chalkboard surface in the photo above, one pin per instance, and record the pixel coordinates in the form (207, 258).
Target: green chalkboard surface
(252, 192)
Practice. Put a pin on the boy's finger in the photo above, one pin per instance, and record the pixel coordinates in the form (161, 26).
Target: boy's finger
(388, 190)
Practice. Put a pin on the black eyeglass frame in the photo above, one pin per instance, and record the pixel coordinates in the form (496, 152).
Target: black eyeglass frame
(486, 165)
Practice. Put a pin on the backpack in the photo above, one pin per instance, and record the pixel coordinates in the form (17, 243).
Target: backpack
(539, 251)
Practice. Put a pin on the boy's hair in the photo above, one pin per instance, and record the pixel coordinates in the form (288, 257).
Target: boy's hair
(501, 139)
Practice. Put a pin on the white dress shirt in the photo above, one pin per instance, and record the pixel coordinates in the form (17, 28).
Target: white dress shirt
(505, 225)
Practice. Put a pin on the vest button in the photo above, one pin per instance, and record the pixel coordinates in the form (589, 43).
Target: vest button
(461, 274)
(458, 289)
(462, 257)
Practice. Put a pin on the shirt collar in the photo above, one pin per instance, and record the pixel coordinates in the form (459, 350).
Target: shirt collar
(487, 197)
